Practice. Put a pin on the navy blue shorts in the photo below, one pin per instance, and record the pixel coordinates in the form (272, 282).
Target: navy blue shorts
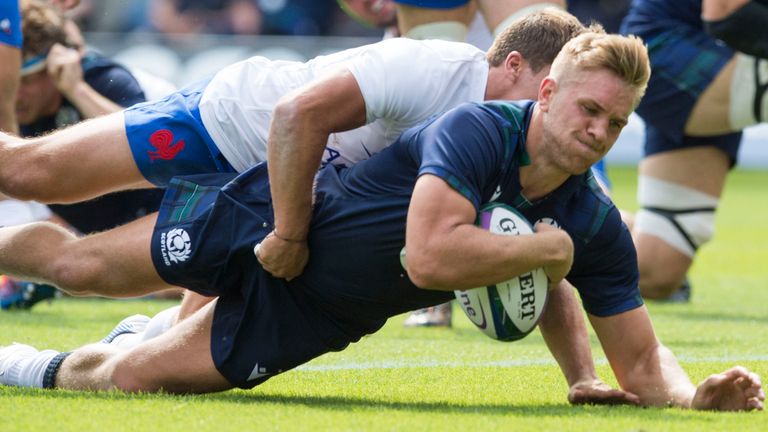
(434, 4)
(168, 138)
(684, 62)
(203, 240)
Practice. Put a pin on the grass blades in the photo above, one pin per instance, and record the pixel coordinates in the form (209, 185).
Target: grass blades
(437, 379)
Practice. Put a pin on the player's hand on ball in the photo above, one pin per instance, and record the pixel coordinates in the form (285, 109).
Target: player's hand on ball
(736, 389)
(595, 391)
(562, 245)
(282, 258)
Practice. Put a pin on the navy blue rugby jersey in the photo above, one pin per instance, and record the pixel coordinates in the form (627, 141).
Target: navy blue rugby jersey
(358, 227)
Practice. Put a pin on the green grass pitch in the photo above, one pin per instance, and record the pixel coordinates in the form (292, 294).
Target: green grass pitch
(437, 379)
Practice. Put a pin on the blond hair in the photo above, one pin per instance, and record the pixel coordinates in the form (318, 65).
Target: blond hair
(538, 37)
(625, 56)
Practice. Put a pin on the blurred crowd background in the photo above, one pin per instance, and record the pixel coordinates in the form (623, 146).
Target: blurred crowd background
(183, 40)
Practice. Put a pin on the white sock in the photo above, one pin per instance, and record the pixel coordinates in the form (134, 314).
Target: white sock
(160, 323)
(24, 366)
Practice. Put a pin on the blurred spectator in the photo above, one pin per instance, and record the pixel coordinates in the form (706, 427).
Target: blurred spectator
(61, 86)
(205, 16)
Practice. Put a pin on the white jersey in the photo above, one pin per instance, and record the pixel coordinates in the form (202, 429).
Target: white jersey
(403, 82)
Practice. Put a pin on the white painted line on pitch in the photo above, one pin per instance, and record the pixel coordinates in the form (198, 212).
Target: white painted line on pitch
(394, 364)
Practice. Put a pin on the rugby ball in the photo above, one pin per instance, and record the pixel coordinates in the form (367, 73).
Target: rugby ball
(509, 310)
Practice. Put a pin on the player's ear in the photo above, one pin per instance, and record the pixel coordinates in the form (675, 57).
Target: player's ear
(514, 63)
(547, 89)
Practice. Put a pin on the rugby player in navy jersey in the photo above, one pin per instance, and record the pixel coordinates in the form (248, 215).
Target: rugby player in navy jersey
(423, 193)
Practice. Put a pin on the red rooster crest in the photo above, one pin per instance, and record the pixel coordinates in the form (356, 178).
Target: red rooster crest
(162, 140)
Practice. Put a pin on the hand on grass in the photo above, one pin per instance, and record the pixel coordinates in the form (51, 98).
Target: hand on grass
(599, 393)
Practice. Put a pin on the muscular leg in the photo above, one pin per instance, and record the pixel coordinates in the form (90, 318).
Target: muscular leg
(178, 361)
(114, 263)
(81, 162)
(663, 267)
(425, 23)
(497, 13)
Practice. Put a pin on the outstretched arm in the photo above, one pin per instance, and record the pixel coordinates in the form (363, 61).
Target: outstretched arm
(565, 333)
(647, 368)
(301, 124)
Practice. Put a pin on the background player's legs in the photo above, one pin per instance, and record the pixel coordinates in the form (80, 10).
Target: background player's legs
(663, 267)
(114, 263)
(710, 114)
(426, 23)
(498, 14)
(83, 161)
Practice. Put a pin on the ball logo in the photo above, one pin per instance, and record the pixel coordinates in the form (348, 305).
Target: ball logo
(175, 246)
(508, 226)
(549, 221)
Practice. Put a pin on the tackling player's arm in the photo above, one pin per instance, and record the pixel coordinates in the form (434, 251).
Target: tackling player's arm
(301, 124)
(446, 251)
(644, 366)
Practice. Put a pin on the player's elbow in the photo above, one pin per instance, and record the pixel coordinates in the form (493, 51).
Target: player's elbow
(295, 110)
(425, 271)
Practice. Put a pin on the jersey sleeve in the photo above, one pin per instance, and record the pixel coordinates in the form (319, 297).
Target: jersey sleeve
(116, 84)
(465, 148)
(10, 23)
(402, 79)
(605, 270)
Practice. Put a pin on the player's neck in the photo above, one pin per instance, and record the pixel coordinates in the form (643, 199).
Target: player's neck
(542, 176)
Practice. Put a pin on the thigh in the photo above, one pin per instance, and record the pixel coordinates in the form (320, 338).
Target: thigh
(89, 159)
(702, 168)
(710, 114)
(496, 11)
(178, 361)
(119, 260)
(411, 14)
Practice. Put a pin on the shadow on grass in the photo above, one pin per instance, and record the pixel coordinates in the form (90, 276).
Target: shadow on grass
(709, 317)
(348, 403)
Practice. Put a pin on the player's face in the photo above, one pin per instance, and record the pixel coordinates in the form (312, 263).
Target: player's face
(37, 97)
(376, 13)
(583, 117)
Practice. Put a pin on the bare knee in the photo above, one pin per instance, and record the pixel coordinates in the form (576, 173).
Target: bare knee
(660, 278)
